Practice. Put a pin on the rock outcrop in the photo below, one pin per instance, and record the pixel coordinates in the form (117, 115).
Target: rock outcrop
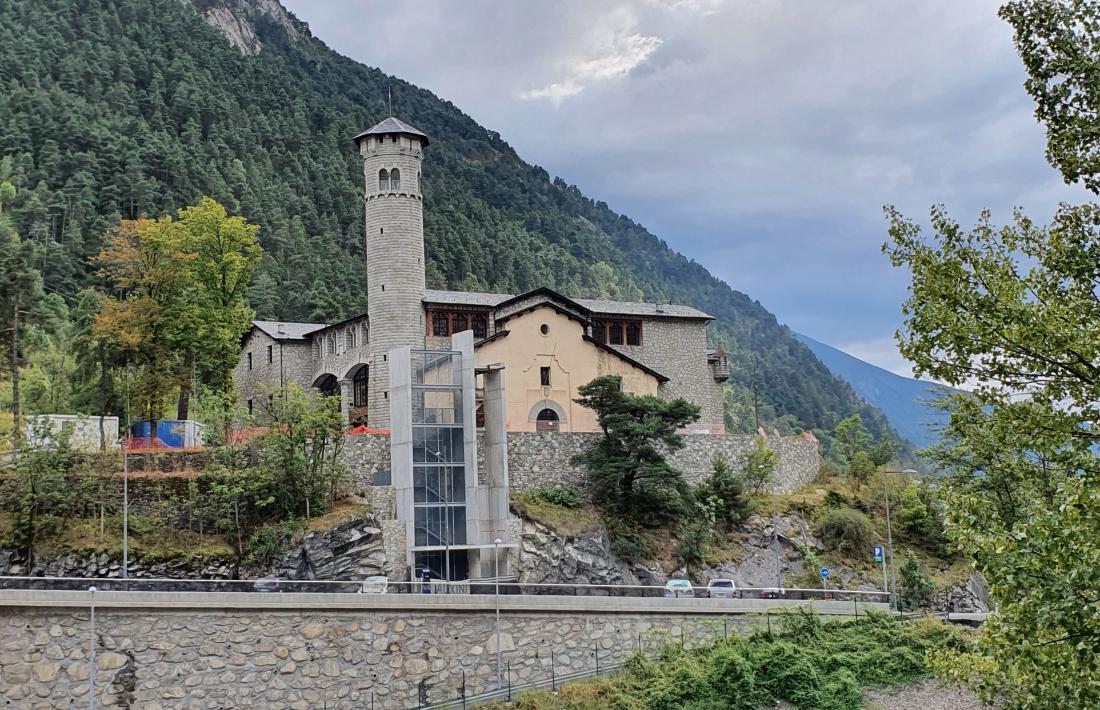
(351, 550)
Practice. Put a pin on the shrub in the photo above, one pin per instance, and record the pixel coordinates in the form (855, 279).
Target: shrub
(846, 530)
(629, 543)
(916, 589)
(556, 495)
(268, 540)
(760, 467)
(727, 490)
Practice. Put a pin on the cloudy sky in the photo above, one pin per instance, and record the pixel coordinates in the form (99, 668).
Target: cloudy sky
(759, 137)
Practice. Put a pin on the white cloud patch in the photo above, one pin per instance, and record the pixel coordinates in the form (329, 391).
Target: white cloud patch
(622, 54)
(882, 352)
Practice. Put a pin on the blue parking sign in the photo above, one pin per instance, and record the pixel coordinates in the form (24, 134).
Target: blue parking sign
(824, 571)
(876, 553)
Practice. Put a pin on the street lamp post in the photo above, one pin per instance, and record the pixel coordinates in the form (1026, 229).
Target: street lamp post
(890, 537)
(125, 515)
(91, 654)
(496, 584)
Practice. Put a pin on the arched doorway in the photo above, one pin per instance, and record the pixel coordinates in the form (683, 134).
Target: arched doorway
(329, 386)
(547, 420)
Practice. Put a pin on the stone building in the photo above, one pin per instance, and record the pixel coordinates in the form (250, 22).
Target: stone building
(548, 343)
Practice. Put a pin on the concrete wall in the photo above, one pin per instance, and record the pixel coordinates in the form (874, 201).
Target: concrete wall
(291, 651)
(572, 362)
(536, 460)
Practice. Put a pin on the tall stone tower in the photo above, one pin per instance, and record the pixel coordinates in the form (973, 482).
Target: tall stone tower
(391, 154)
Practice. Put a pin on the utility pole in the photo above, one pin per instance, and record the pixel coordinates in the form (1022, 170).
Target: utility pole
(16, 426)
(496, 583)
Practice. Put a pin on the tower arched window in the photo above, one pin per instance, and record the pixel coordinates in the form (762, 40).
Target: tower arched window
(439, 324)
(458, 323)
(383, 180)
(395, 179)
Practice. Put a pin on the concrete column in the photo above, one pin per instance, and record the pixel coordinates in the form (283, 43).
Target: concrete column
(401, 444)
(346, 395)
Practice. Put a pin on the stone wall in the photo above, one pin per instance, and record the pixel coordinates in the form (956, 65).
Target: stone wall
(291, 361)
(303, 659)
(677, 348)
(545, 459)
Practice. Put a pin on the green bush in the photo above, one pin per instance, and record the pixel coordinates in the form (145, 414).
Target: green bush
(268, 540)
(846, 530)
(555, 495)
(628, 542)
(727, 489)
(805, 663)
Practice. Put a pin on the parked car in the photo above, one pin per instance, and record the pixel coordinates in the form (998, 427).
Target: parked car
(721, 589)
(374, 585)
(677, 588)
(270, 583)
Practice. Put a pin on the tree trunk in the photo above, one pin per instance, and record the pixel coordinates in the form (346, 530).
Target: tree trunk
(186, 382)
(102, 400)
(16, 424)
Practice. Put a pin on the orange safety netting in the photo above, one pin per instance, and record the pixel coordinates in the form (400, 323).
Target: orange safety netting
(364, 429)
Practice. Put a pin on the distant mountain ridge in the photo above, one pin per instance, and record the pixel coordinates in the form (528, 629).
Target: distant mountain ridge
(904, 400)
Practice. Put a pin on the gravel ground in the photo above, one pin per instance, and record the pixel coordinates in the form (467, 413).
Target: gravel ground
(928, 694)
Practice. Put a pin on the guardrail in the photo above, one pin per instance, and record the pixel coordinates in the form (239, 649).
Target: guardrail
(481, 586)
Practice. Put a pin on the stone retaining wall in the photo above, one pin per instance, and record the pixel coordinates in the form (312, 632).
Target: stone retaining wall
(544, 459)
(301, 660)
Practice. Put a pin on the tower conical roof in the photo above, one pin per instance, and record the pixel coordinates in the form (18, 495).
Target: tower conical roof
(392, 125)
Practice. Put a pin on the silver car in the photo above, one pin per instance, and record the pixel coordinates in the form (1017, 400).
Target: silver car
(270, 583)
(676, 588)
(374, 585)
(721, 589)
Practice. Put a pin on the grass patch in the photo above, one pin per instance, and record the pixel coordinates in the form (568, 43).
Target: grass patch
(93, 535)
(563, 520)
(342, 511)
(809, 664)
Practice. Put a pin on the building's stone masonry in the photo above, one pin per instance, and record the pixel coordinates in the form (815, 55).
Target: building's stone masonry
(311, 659)
(291, 362)
(537, 460)
(676, 348)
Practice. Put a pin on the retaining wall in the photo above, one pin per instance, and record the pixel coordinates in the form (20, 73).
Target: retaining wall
(291, 651)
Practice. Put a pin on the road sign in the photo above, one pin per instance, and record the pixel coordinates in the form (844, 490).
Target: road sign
(876, 553)
(824, 571)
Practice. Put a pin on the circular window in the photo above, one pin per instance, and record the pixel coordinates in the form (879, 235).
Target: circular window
(544, 329)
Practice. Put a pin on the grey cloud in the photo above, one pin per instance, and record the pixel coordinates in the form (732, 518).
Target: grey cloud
(760, 138)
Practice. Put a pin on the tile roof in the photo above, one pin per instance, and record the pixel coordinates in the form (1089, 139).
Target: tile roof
(392, 125)
(465, 298)
(628, 308)
(623, 308)
(282, 330)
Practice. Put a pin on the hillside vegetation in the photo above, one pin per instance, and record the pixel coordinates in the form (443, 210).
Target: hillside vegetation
(117, 108)
(809, 664)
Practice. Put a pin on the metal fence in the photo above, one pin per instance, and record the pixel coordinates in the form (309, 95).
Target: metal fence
(503, 587)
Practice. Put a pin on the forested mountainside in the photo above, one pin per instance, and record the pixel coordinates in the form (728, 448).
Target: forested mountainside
(112, 109)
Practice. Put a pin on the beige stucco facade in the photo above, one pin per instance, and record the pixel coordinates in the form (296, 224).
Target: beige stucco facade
(573, 361)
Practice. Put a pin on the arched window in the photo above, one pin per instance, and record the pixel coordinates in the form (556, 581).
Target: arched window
(480, 325)
(349, 338)
(439, 324)
(458, 323)
(615, 333)
(366, 331)
(633, 333)
(359, 388)
(331, 343)
(395, 179)
(383, 180)
(329, 386)
(547, 420)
